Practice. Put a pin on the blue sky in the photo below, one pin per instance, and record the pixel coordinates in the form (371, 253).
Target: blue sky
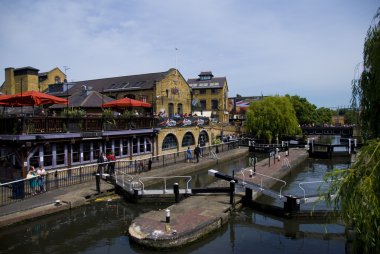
(300, 47)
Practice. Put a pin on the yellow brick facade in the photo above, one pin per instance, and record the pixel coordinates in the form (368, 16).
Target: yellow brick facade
(179, 133)
(221, 95)
(53, 76)
(171, 94)
(27, 79)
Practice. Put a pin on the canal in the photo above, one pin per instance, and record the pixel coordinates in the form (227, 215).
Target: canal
(101, 227)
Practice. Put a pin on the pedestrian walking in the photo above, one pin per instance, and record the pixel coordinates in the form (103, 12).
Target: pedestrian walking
(197, 152)
(41, 173)
(101, 161)
(188, 154)
(111, 163)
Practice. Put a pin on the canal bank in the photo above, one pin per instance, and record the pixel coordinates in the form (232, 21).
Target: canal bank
(200, 215)
(81, 194)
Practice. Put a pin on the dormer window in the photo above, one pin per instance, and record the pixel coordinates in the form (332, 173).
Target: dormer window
(57, 79)
(206, 75)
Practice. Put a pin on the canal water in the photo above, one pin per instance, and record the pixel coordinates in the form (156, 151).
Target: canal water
(101, 227)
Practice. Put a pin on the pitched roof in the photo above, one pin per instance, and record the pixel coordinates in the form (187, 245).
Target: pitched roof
(86, 99)
(119, 84)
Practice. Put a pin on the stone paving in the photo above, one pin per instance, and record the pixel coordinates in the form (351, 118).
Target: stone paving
(198, 215)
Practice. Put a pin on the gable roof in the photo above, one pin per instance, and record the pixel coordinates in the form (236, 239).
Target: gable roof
(86, 99)
(119, 84)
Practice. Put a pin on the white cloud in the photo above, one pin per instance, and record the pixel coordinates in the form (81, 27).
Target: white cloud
(309, 48)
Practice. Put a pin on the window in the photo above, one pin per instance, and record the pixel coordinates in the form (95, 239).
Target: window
(202, 91)
(117, 147)
(35, 159)
(214, 91)
(75, 150)
(203, 104)
(188, 139)
(57, 79)
(48, 155)
(142, 145)
(143, 98)
(179, 109)
(109, 147)
(214, 104)
(86, 151)
(96, 150)
(124, 143)
(135, 146)
(148, 143)
(170, 142)
(60, 154)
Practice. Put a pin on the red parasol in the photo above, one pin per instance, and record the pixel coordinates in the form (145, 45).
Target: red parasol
(30, 98)
(126, 102)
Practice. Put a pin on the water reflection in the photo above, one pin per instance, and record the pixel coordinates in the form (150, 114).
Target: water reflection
(101, 227)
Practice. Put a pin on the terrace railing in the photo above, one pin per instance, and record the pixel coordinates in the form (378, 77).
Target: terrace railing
(41, 124)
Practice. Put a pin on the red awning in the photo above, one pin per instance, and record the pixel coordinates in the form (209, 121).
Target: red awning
(125, 103)
(30, 98)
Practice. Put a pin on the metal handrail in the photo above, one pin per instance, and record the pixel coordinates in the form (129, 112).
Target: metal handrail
(165, 178)
(313, 182)
(261, 180)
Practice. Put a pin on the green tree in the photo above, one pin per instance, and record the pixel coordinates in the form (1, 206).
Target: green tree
(323, 116)
(271, 117)
(366, 91)
(357, 189)
(305, 111)
(357, 195)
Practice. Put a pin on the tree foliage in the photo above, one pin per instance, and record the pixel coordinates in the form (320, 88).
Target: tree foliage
(272, 116)
(358, 188)
(358, 195)
(305, 111)
(323, 116)
(366, 91)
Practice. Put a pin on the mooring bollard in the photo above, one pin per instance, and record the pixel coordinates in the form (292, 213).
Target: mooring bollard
(97, 177)
(135, 194)
(250, 173)
(167, 225)
(176, 192)
(232, 192)
(248, 195)
(291, 204)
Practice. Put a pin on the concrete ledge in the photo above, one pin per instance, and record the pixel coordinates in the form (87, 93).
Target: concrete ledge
(32, 213)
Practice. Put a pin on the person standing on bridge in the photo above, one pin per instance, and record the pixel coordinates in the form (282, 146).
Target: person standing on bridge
(188, 154)
(197, 152)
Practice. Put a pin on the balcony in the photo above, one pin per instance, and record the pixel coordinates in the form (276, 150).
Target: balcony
(50, 124)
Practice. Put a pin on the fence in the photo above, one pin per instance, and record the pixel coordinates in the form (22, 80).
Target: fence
(14, 191)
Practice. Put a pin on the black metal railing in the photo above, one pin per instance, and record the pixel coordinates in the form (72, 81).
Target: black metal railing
(50, 124)
(15, 191)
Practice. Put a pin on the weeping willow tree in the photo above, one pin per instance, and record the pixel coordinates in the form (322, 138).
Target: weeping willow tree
(366, 90)
(271, 117)
(357, 195)
(357, 189)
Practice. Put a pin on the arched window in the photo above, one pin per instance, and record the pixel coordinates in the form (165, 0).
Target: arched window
(179, 109)
(188, 139)
(203, 138)
(171, 109)
(57, 79)
(170, 142)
